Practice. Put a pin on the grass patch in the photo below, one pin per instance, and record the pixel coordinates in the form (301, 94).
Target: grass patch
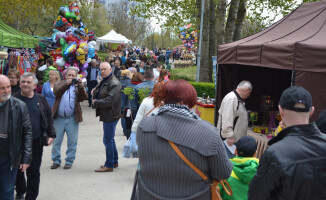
(102, 55)
(188, 74)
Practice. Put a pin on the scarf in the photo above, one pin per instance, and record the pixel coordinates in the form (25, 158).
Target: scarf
(177, 109)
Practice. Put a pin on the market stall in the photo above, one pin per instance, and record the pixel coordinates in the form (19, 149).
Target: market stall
(290, 52)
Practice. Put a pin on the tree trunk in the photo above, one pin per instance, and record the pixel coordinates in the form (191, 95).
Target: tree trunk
(240, 19)
(232, 20)
(212, 38)
(220, 21)
(204, 64)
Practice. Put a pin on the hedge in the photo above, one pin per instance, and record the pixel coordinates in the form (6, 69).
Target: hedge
(207, 88)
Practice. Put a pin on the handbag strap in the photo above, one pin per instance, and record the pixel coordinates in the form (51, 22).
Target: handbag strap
(183, 157)
(214, 183)
(150, 111)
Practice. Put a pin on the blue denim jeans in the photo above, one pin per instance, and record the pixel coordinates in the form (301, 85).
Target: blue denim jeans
(7, 180)
(70, 126)
(109, 143)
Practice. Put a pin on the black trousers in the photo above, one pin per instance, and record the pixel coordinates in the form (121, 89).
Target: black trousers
(90, 85)
(32, 173)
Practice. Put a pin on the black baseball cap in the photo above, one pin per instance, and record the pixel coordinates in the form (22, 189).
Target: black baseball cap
(246, 146)
(294, 95)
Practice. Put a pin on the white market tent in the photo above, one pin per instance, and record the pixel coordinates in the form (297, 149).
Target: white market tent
(113, 37)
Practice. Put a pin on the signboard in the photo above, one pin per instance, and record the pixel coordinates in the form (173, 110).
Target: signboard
(214, 61)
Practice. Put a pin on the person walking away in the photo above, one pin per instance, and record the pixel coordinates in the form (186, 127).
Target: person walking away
(43, 135)
(67, 115)
(244, 169)
(92, 72)
(294, 165)
(15, 139)
(163, 174)
(47, 89)
(14, 76)
(147, 83)
(107, 101)
(233, 117)
(126, 119)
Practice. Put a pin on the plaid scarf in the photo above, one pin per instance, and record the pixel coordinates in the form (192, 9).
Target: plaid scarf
(177, 109)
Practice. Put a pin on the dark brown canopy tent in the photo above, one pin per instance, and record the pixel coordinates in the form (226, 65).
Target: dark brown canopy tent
(290, 52)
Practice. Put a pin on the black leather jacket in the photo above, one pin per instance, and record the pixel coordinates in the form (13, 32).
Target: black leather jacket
(293, 167)
(20, 133)
(109, 102)
(45, 110)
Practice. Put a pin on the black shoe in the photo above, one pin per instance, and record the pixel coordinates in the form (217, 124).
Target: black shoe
(19, 197)
(67, 166)
(55, 166)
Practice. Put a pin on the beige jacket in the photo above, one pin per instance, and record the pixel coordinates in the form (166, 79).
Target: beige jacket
(228, 112)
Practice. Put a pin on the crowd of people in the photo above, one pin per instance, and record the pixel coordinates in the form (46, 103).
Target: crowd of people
(180, 155)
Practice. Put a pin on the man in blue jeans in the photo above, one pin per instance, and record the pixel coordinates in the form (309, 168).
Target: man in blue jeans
(15, 139)
(67, 113)
(107, 101)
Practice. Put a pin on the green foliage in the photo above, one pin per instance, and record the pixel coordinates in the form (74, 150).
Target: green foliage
(207, 88)
(176, 13)
(129, 91)
(143, 93)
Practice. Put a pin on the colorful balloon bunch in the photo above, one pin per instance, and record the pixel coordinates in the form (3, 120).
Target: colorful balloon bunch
(188, 34)
(74, 43)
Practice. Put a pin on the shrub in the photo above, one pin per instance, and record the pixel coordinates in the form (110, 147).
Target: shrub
(207, 88)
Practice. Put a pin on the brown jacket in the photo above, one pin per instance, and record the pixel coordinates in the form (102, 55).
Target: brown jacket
(81, 95)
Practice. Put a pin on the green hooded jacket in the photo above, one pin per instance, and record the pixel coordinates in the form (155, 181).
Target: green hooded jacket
(244, 169)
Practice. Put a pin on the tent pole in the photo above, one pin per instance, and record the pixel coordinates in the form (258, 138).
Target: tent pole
(292, 78)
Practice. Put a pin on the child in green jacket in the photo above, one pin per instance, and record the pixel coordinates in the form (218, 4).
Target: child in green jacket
(244, 169)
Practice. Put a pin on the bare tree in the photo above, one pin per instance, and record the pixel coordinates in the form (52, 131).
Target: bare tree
(133, 27)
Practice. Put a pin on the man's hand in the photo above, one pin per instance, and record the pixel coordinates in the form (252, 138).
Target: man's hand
(230, 141)
(92, 91)
(23, 167)
(50, 141)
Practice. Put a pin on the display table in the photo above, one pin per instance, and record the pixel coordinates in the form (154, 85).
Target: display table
(207, 111)
(262, 141)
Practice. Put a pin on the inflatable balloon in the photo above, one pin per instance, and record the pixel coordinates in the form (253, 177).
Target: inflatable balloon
(80, 55)
(71, 49)
(61, 62)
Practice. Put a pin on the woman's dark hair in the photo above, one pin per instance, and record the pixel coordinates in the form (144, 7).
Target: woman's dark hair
(179, 91)
(137, 77)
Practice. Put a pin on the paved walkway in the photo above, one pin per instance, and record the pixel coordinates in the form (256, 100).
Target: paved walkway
(81, 182)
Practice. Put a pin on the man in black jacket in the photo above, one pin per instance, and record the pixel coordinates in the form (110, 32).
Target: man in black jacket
(294, 166)
(107, 101)
(15, 139)
(43, 134)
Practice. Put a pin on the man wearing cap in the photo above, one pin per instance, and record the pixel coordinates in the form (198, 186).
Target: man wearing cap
(294, 166)
(233, 117)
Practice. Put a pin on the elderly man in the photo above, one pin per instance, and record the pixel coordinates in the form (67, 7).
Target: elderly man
(294, 166)
(107, 100)
(91, 78)
(67, 113)
(15, 139)
(233, 117)
(43, 135)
